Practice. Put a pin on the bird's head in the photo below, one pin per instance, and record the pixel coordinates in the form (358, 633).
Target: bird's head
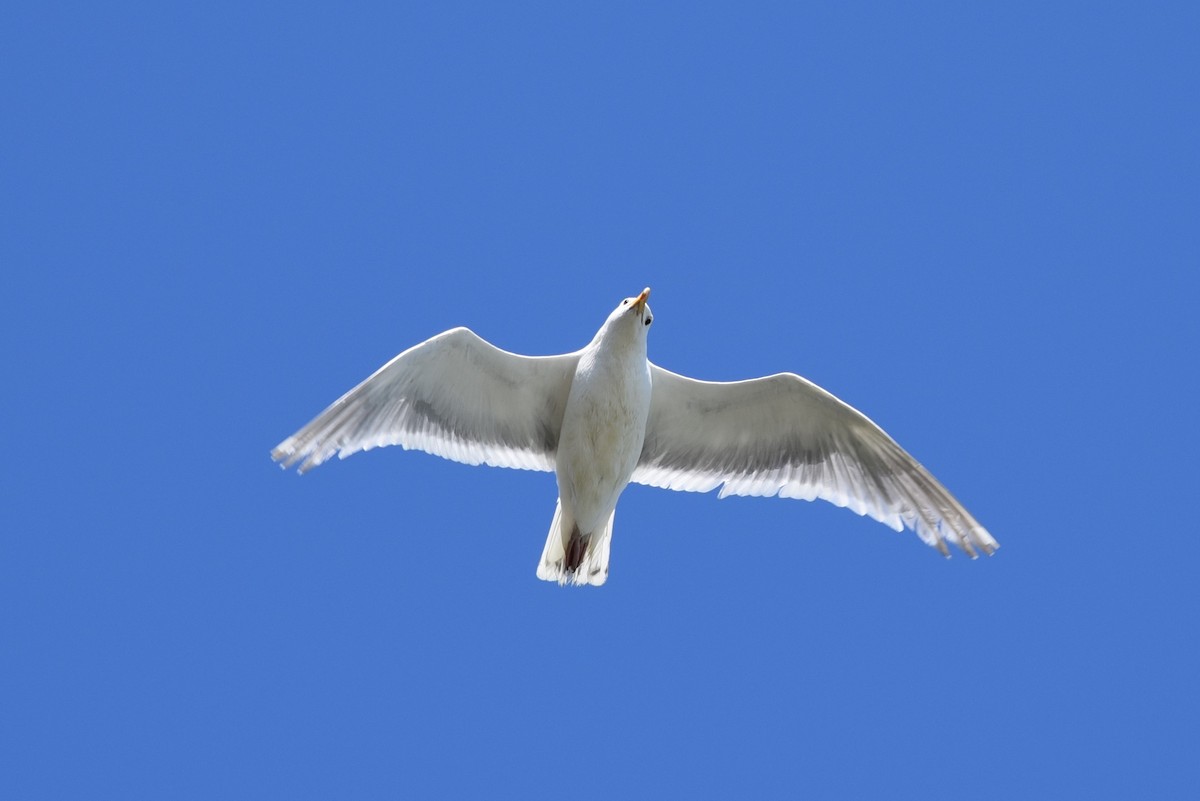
(628, 324)
(633, 313)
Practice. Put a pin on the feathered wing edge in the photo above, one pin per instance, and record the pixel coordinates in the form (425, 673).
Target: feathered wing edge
(782, 435)
(455, 396)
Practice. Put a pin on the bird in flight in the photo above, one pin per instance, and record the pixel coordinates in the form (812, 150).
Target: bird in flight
(605, 415)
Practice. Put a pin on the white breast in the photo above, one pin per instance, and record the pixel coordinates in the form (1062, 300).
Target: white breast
(603, 427)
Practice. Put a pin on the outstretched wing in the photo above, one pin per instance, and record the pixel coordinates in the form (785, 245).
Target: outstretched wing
(785, 435)
(455, 396)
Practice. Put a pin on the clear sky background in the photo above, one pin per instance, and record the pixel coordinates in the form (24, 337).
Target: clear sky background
(977, 223)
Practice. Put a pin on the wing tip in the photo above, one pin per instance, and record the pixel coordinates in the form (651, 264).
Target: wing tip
(984, 540)
(287, 455)
(976, 540)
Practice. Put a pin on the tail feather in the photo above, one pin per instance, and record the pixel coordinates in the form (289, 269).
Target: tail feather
(571, 557)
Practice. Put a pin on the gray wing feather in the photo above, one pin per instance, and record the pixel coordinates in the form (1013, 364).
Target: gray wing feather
(455, 396)
(783, 435)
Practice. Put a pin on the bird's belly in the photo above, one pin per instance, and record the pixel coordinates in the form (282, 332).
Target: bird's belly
(599, 445)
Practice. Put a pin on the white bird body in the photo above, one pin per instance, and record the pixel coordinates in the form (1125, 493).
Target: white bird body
(603, 428)
(604, 416)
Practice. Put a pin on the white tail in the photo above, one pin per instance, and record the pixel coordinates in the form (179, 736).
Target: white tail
(592, 564)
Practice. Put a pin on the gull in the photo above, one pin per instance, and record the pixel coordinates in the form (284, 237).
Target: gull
(605, 415)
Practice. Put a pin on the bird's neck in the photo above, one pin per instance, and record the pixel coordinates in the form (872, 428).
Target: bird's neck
(620, 341)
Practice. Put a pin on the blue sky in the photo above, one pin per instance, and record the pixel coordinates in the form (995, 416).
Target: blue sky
(976, 224)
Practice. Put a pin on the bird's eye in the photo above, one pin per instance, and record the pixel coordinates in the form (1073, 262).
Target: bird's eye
(649, 320)
(625, 302)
